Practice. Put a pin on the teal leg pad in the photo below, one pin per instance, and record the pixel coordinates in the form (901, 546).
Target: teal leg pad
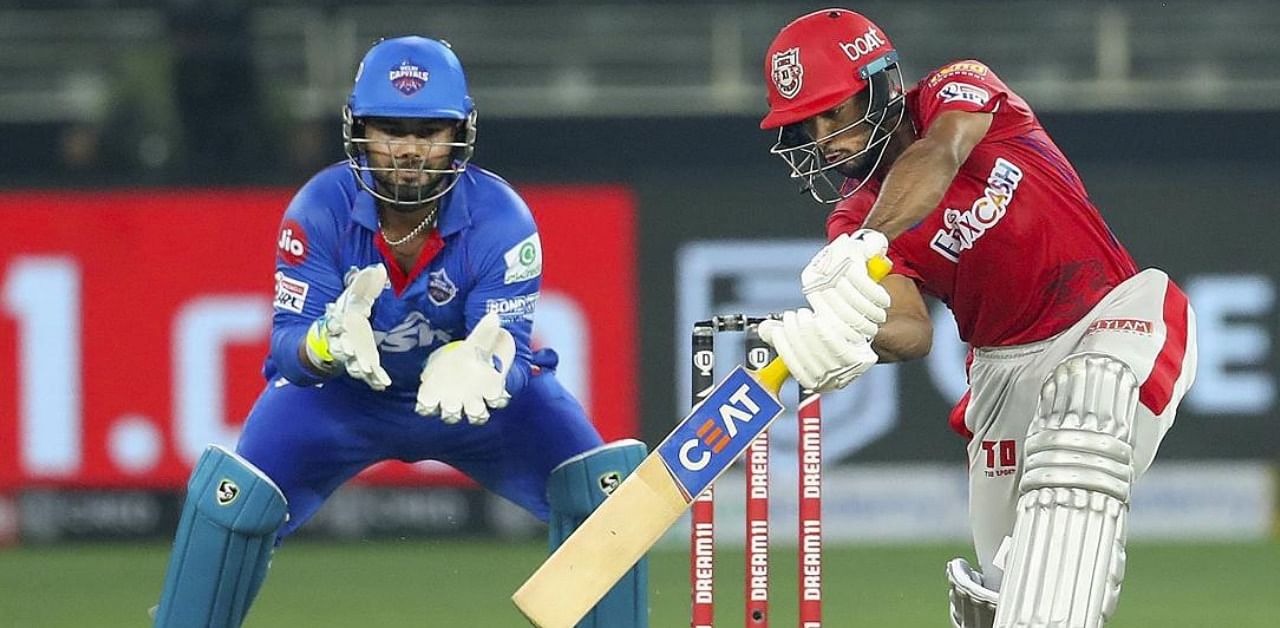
(574, 490)
(223, 545)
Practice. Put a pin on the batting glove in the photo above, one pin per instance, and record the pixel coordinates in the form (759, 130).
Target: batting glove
(816, 350)
(838, 285)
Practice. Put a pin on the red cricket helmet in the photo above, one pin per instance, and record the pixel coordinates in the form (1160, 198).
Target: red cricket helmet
(815, 63)
(819, 60)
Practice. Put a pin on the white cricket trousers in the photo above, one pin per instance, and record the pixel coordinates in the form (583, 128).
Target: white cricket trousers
(1145, 322)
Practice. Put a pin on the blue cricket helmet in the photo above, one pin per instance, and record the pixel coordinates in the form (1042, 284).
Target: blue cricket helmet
(409, 77)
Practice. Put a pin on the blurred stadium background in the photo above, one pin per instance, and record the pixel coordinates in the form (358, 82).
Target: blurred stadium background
(151, 146)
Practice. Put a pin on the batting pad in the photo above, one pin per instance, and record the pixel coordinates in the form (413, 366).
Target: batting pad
(576, 487)
(1066, 560)
(224, 542)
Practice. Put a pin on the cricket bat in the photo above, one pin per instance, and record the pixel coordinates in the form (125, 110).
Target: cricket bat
(619, 533)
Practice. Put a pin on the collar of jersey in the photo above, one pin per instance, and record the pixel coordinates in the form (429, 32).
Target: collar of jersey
(454, 213)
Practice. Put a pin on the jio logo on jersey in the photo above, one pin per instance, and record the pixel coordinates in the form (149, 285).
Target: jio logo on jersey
(408, 77)
(292, 243)
(787, 72)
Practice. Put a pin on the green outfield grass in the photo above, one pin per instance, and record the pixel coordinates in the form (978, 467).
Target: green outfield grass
(417, 583)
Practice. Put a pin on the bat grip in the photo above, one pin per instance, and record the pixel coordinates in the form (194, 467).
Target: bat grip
(879, 267)
(775, 373)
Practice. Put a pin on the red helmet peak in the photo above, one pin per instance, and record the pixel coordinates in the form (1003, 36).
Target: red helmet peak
(818, 61)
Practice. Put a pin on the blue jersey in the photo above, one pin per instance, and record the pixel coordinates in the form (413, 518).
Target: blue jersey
(483, 256)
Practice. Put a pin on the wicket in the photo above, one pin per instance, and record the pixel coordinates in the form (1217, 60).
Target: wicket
(702, 530)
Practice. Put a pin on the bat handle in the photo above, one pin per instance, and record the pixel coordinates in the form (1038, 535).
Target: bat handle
(775, 373)
(879, 267)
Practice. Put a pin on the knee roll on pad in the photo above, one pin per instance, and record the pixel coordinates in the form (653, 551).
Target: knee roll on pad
(225, 537)
(574, 490)
(1066, 560)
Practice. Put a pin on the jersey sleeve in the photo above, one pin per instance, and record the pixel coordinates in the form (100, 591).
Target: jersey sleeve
(308, 277)
(508, 278)
(961, 86)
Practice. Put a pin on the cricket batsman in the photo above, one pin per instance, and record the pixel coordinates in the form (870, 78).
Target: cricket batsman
(406, 280)
(1078, 359)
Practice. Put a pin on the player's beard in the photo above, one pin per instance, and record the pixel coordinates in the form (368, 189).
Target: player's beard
(859, 168)
(407, 192)
(875, 159)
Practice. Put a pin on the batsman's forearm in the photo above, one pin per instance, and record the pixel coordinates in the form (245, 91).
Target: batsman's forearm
(913, 188)
(902, 340)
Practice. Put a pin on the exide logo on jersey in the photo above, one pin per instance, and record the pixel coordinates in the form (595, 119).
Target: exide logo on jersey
(292, 243)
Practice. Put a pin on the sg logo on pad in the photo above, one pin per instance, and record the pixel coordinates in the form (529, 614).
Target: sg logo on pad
(609, 482)
(227, 492)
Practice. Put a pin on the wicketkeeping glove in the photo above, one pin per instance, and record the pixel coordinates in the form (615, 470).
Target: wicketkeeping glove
(461, 378)
(343, 335)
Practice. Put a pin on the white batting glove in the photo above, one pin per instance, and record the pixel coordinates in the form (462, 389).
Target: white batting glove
(343, 335)
(838, 285)
(461, 379)
(816, 351)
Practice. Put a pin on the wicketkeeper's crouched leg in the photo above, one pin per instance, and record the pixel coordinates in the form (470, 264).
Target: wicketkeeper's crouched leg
(225, 537)
(574, 490)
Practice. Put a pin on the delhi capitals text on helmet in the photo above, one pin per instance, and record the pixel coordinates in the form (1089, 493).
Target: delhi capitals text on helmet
(416, 78)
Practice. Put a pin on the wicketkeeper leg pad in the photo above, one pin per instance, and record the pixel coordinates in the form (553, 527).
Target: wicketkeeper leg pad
(574, 490)
(224, 542)
(1066, 558)
(973, 605)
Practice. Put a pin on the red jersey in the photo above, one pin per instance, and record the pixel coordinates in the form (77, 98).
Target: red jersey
(1015, 248)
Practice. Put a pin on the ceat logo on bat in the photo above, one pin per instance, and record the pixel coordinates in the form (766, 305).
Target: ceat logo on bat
(717, 431)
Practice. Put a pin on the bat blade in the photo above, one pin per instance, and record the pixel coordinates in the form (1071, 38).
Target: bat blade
(618, 534)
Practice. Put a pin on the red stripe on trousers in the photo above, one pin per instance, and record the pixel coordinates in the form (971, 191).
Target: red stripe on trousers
(956, 418)
(1156, 392)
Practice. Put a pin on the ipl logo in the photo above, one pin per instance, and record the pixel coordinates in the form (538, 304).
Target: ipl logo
(787, 72)
(408, 77)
